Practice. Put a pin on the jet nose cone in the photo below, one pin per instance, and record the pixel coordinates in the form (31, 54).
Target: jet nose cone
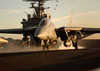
(39, 35)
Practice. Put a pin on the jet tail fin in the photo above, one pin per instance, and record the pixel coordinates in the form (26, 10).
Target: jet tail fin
(70, 24)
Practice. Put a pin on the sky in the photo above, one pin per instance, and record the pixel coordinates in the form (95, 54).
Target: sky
(86, 13)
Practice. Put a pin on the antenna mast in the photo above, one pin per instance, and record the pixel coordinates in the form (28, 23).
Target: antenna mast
(40, 8)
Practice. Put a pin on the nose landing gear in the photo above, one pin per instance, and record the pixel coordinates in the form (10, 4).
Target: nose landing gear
(45, 44)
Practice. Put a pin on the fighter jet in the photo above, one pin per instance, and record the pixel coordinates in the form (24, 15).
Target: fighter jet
(47, 33)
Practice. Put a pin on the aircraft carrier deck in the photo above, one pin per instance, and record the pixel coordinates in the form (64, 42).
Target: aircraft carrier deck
(60, 60)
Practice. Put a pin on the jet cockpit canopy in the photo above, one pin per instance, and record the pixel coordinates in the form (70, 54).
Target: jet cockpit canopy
(44, 22)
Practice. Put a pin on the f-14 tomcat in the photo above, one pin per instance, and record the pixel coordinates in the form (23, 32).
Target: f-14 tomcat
(46, 32)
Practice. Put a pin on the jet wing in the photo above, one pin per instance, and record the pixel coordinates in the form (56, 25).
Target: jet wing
(13, 31)
(63, 32)
(17, 31)
(91, 30)
(82, 30)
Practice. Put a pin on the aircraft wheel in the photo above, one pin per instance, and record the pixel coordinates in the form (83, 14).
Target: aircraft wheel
(48, 46)
(43, 47)
(73, 43)
(76, 45)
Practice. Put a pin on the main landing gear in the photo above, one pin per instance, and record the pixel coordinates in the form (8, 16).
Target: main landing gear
(45, 44)
(75, 44)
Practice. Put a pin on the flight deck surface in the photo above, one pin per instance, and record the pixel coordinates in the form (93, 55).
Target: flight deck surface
(60, 60)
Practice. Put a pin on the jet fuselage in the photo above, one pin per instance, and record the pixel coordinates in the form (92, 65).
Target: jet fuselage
(46, 30)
